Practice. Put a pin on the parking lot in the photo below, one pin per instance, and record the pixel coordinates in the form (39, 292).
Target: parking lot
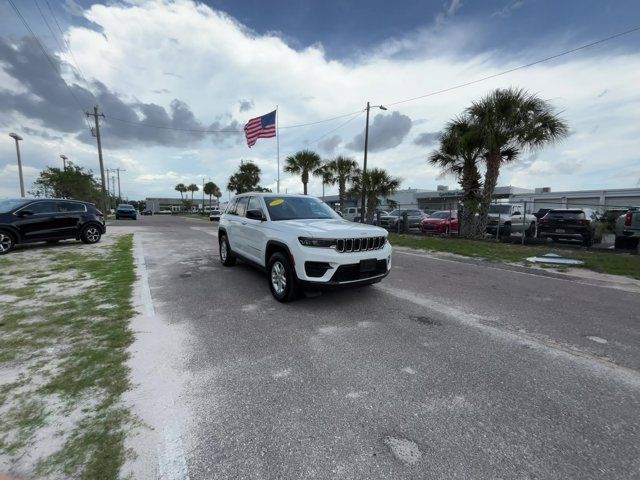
(449, 368)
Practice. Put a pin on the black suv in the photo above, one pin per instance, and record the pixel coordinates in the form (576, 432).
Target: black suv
(570, 224)
(48, 220)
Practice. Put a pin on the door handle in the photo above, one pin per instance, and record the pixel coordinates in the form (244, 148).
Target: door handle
(243, 222)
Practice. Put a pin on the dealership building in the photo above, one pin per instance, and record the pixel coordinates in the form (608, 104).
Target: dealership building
(176, 205)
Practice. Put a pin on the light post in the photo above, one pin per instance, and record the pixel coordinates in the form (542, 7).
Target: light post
(364, 163)
(17, 138)
(64, 162)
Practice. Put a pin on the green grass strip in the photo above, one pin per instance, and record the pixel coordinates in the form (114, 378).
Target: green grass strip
(604, 262)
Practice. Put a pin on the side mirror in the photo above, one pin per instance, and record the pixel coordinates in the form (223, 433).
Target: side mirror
(255, 215)
(25, 213)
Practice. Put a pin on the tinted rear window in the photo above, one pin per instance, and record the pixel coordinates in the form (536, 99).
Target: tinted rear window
(569, 214)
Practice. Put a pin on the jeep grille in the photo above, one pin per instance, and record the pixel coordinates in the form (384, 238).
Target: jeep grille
(345, 245)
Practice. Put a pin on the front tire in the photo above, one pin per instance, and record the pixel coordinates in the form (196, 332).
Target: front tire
(282, 278)
(91, 234)
(227, 258)
(7, 242)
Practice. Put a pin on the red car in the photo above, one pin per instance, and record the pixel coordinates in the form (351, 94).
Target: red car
(440, 222)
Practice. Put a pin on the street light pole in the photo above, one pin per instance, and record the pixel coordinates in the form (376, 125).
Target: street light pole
(364, 163)
(64, 162)
(17, 138)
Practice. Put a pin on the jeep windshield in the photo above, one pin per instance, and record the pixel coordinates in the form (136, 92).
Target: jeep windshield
(298, 208)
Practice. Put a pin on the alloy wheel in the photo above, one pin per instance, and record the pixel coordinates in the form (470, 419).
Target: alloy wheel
(5, 242)
(93, 235)
(223, 251)
(278, 278)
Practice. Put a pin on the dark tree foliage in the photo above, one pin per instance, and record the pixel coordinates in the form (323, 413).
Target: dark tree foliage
(73, 183)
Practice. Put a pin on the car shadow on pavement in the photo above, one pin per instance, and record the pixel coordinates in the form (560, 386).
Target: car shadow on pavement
(61, 245)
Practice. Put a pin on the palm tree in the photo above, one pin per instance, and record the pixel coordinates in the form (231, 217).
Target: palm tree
(459, 153)
(378, 183)
(192, 188)
(326, 175)
(511, 121)
(180, 188)
(344, 171)
(211, 189)
(246, 179)
(218, 194)
(302, 163)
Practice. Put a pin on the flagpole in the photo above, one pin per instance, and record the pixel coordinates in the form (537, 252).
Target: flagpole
(278, 148)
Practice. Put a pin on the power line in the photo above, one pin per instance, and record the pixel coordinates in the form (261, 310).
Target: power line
(164, 127)
(317, 140)
(75, 62)
(55, 37)
(320, 121)
(44, 52)
(546, 59)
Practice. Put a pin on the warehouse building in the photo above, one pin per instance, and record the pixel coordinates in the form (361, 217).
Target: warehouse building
(176, 205)
(599, 200)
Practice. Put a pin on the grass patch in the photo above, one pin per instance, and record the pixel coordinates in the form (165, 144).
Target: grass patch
(604, 262)
(71, 355)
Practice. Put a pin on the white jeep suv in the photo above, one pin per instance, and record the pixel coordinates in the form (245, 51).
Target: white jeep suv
(301, 243)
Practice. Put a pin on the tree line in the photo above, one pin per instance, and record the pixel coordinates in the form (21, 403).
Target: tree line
(341, 171)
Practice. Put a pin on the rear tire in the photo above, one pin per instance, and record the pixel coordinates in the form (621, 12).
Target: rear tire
(621, 243)
(7, 242)
(227, 258)
(531, 231)
(283, 282)
(91, 234)
(588, 241)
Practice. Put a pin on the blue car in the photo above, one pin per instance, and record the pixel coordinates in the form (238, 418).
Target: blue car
(126, 211)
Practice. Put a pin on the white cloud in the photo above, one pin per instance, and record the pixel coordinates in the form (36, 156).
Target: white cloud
(212, 63)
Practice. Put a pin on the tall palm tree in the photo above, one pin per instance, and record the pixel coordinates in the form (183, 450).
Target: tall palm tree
(326, 175)
(302, 163)
(344, 170)
(210, 189)
(460, 151)
(511, 121)
(378, 183)
(192, 188)
(182, 189)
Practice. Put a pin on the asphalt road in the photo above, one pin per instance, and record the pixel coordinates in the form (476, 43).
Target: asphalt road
(447, 369)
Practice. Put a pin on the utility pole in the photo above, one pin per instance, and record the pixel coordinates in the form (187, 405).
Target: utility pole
(203, 198)
(17, 138)
(64, 162)
(118, 170)
(364, 163)
(364, 166)
(95, 116)
(108, 188)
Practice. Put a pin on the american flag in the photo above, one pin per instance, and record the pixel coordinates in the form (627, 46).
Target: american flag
(260, 127)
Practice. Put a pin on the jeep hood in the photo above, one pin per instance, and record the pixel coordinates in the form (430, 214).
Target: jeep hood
(329, 228)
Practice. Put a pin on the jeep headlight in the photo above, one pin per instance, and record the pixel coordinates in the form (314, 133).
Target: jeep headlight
(317, 242)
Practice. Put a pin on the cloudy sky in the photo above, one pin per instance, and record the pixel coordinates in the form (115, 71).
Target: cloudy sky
(163, 72)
